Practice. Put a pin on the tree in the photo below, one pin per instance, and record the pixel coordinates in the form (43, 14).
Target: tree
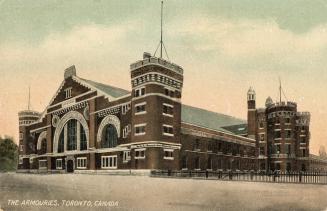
(8, 154)
(322, 152)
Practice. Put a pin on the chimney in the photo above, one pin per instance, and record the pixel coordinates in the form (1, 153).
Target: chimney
(146, 55)
(70, 71)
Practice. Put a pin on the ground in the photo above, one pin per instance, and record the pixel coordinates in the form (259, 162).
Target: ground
(145, 193)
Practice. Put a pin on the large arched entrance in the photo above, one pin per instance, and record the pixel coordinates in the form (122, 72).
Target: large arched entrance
(71, 134)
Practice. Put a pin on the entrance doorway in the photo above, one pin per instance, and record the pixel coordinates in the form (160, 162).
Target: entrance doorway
(70, 166)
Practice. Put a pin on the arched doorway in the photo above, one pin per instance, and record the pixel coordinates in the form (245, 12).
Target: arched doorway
(70, 166)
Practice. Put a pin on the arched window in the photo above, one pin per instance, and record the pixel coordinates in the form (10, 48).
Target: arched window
(109, 138)
(83, 143)
(61, 144)
(43, 146)
(72, 134)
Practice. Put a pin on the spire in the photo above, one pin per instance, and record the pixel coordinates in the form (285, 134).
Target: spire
(161, 31)
(29, 98)
(281, 91)
(161, 43)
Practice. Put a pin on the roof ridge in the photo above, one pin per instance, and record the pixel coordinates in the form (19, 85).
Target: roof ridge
(87, 80)
(203, 109)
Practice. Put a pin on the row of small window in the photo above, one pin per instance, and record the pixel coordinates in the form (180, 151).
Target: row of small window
(218, 147)
(109, 161)
(167, 109)
(140, 154)
(277, 121)
(278, 134)
(81, 163)
(68, 93)
(26, 122)
(276, 149)
(168, 92)
(220, 163)
(166, 130)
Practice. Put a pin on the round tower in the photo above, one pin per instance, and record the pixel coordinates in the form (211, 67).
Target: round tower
(281, 140)
(25, 118)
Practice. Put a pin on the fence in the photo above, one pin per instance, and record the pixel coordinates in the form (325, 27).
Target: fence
(277, 176)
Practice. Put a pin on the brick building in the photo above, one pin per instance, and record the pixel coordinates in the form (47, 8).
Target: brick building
(93, 127)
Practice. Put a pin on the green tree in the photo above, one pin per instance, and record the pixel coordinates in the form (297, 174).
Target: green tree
(8, 154)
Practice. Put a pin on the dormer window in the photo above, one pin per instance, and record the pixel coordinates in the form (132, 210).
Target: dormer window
(68, 93)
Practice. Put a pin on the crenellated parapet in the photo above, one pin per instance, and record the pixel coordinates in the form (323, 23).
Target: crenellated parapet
(28, 117)
(303, 119)
(151, 60)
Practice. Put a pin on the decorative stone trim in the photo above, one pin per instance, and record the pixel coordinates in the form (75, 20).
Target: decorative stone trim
(70, 115)
(42, 136)
(158, 78)
(86, 112)
(71, 108)
(110, 119)
(109, 111)
(55, 120)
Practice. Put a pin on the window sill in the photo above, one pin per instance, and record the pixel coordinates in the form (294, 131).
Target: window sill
(139, 158)
(169, 115)
(109, 167)
(168, 158)
(140, 113)
(139, 134)
(168, 134)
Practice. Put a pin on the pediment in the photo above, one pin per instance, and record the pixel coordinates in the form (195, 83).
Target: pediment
(76, 89)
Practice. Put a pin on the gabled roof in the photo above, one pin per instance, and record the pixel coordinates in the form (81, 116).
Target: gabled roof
(110, 90)
(208, 119)
(191, 115)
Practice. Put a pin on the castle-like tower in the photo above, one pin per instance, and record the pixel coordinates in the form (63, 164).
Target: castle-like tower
(282, 134)
(251, 113)
(156, 105)
(26, 144)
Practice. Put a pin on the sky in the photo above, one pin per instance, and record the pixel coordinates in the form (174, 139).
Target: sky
(224, 46)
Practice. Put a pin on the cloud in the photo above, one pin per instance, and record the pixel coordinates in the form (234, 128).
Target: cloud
(253, 44)
(226, 55)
